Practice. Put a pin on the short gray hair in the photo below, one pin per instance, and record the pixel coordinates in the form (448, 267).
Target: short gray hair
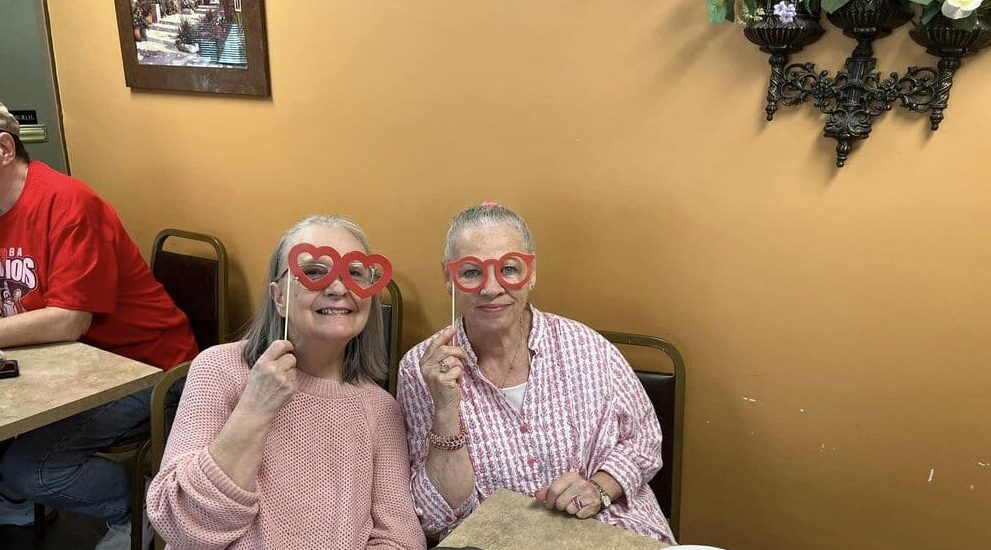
(486, 215)
(364, 355)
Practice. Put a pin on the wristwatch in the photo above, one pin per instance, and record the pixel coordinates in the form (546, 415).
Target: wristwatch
(603, 495)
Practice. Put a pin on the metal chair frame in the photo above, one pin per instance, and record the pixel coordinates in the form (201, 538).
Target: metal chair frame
(678, 363)
(395, 329)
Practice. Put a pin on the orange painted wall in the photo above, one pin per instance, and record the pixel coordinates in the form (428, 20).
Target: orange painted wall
(853, 306)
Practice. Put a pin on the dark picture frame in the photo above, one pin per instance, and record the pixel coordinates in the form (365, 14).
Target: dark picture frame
(230, 57)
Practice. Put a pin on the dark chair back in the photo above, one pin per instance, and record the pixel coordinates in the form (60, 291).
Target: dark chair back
(667, 393)
(392, 320)
(197, 285)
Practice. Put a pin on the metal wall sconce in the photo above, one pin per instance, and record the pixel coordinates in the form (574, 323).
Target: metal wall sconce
(858, 94)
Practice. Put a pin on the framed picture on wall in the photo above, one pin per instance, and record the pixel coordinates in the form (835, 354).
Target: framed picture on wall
(214, 46)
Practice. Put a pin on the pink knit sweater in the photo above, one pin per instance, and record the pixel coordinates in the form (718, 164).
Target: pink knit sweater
(334, 473)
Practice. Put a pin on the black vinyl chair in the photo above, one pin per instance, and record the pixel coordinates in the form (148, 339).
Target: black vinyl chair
(392, 320)
(666, 391)
(198, 286)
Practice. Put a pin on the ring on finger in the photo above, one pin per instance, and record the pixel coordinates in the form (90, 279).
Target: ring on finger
(577, 503)
(444, 367)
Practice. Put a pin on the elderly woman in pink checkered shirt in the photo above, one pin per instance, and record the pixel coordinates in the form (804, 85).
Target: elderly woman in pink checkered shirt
(512, 397)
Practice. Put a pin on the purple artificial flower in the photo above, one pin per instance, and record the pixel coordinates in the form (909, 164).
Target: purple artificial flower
(785, 11)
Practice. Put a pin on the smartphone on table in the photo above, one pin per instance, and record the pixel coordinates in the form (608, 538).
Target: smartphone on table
(8, 368)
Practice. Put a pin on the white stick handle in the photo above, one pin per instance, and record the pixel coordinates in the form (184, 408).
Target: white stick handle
(289, 279)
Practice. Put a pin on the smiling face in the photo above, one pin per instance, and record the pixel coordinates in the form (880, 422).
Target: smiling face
(495, 307)
(334, 313)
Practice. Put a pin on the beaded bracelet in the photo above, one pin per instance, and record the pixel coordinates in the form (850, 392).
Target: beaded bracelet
(448, 442)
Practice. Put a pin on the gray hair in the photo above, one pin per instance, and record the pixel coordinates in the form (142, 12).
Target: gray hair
(486, 215)
(364, 355)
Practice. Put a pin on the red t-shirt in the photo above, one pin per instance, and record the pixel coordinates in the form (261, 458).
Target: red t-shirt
(62, 246)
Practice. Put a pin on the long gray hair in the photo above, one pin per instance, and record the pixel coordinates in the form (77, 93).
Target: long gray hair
(364, 355)
(486, 215)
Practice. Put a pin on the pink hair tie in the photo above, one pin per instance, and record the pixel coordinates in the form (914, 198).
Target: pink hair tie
(489, 204)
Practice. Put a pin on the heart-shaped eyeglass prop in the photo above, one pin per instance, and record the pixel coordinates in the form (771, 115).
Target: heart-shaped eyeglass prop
(317, 267)
(314, 267)
(365, 274)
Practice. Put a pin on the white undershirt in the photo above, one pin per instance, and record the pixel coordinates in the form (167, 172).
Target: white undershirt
(514, 396)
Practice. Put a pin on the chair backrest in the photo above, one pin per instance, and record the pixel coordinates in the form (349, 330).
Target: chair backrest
(197, 285)
(161, 416)
(667, 393)
(392, 319)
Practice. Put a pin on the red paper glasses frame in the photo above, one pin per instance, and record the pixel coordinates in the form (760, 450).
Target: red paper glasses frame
(452, 269)
(338, 270)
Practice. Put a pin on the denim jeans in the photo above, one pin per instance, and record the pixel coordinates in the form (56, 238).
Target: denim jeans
(55, 465)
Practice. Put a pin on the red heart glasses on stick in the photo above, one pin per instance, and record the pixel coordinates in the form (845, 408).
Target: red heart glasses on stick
(317, 267)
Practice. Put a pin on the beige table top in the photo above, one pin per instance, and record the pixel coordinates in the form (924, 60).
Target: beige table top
(60, 380)
(508, 520)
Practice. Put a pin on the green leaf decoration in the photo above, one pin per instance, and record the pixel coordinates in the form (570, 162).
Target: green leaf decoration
(832, 5)
(717, 10)
(930, 11)
(730, 6)
(968, 23)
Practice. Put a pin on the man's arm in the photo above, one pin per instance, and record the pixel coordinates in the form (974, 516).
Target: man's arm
(42, 326)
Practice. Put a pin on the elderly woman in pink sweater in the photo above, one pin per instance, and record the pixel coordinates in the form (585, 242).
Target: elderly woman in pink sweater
(290, 444)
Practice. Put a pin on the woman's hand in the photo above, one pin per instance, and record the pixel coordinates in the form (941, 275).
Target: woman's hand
(272, 382)
(238, 448)
(571, 493)
(441, 367)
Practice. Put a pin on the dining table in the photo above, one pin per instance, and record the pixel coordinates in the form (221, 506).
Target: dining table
(61, 379)
(509, 520)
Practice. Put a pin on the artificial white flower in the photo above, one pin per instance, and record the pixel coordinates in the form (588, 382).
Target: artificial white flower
(958, 9)
(785, 11)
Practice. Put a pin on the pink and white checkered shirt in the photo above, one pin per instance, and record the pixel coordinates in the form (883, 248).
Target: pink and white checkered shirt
(584, 410)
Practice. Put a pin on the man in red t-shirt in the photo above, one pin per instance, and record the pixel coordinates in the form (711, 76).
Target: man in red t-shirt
(69, 271)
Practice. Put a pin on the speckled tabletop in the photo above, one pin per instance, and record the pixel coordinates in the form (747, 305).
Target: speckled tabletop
(60, 380)
(508, 520)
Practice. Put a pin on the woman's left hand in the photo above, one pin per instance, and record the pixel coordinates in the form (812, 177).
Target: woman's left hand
(571, 493)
